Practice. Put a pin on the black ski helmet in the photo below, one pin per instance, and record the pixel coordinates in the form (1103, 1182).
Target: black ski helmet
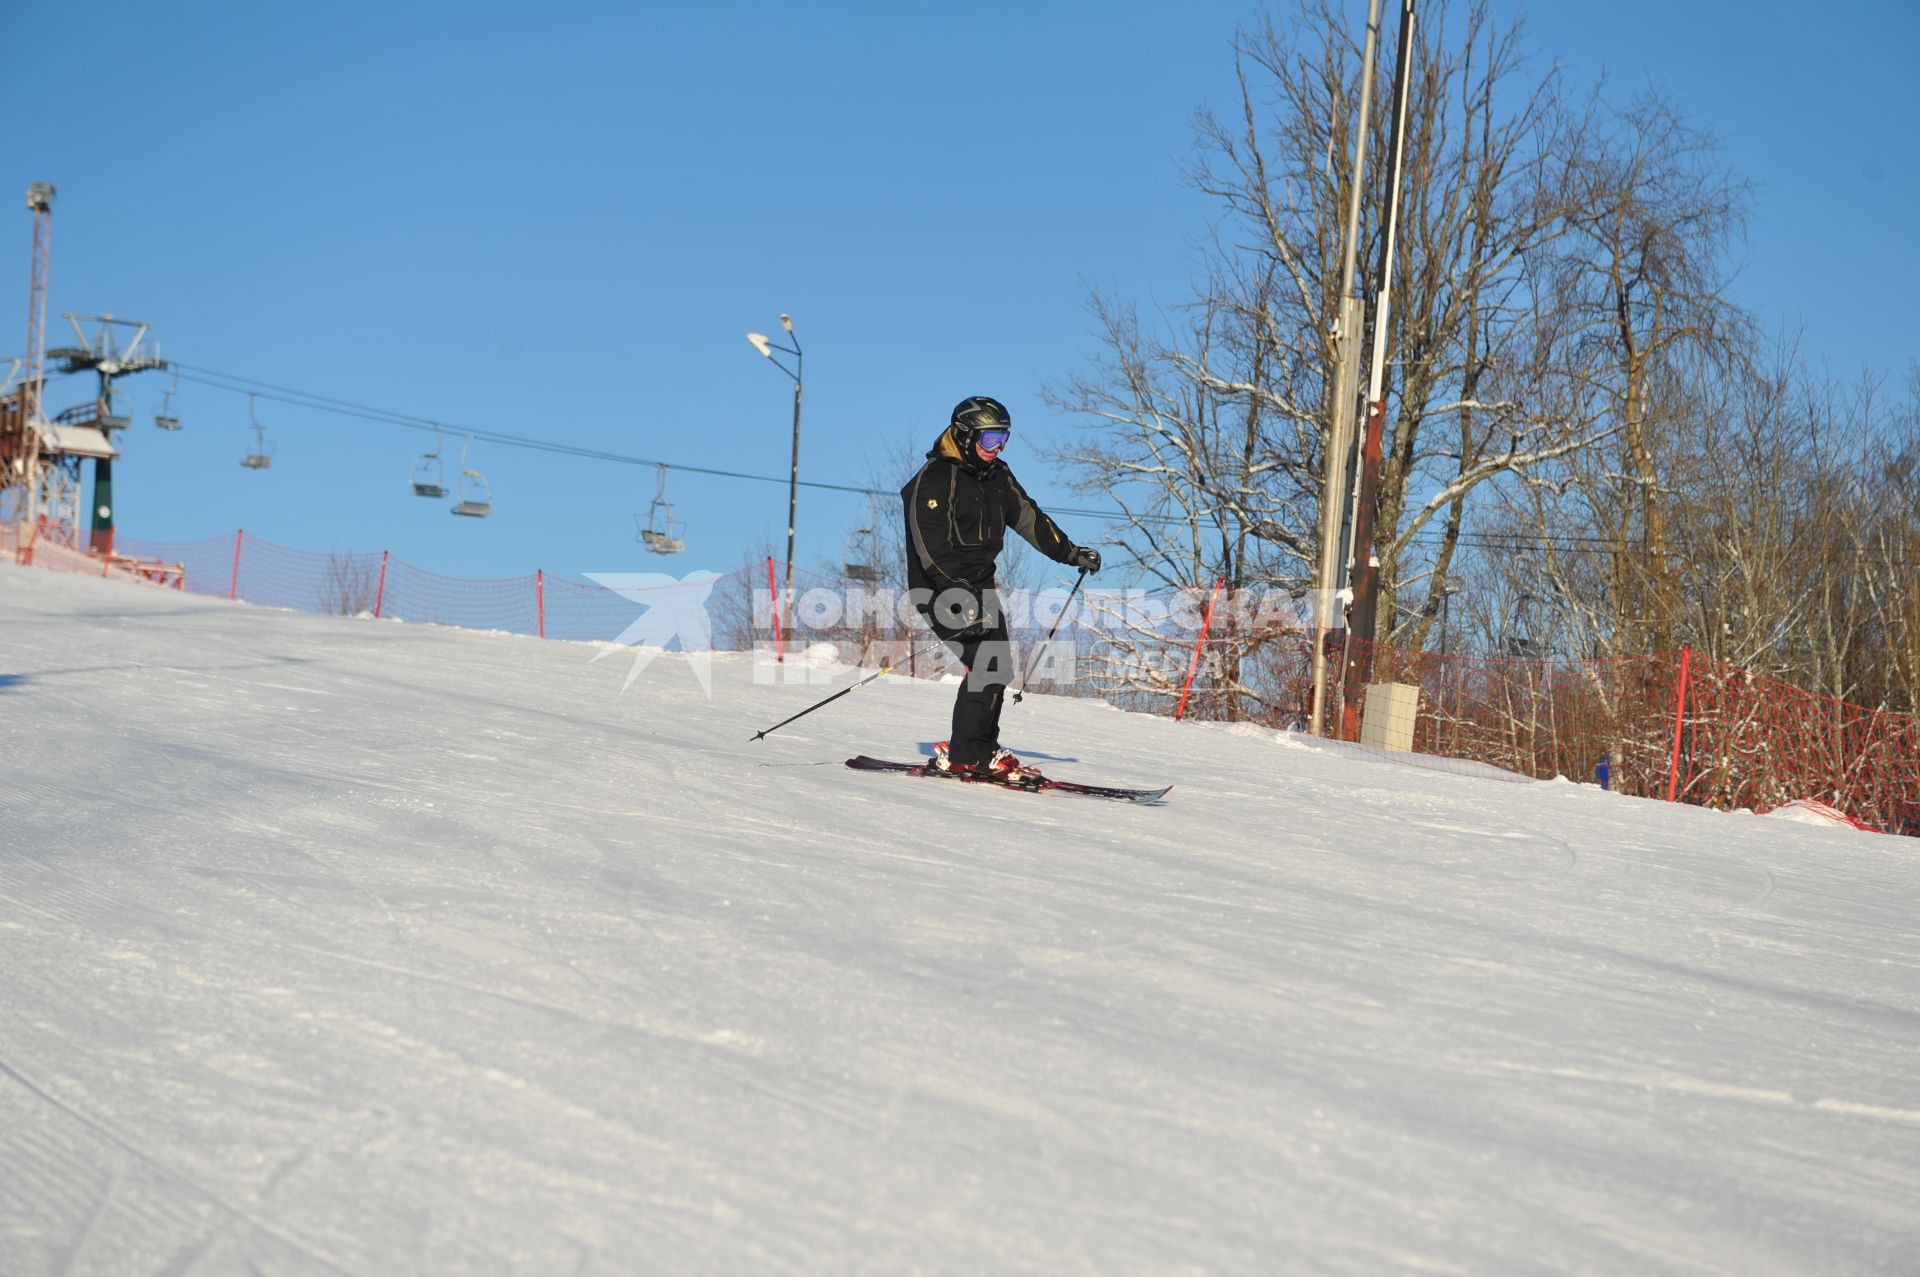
(974, 414)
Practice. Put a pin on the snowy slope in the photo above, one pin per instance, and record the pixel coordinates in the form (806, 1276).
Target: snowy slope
(344, 946)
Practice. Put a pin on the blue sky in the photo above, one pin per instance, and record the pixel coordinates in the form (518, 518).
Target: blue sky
(561, 224)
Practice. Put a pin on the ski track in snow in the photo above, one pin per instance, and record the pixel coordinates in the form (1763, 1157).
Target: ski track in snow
(340, 946)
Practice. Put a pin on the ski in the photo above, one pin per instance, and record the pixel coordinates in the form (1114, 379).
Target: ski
(1038, 785)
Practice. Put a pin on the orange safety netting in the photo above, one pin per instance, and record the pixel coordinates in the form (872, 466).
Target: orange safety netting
(1665, 725)
(1672, 724)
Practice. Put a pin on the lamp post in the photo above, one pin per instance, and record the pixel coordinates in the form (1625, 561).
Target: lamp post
(766, 347)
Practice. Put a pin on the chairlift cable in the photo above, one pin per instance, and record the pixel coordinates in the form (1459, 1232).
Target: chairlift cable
(294, 397)
(342, 408)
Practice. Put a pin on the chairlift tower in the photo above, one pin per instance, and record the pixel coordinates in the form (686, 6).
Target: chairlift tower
(41, 485)
(106, 356)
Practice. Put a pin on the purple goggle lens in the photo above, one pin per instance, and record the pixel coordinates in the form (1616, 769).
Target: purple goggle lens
(993, 440)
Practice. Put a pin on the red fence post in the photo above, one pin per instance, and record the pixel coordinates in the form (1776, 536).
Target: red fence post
(233, 591)
(540, 598)
(1679, 717)
(1193, 666)
(773, 592)
(380, 592)
(106, 560)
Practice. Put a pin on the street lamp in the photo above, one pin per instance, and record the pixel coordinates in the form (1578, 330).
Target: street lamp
(1437, 606)
(766, 347)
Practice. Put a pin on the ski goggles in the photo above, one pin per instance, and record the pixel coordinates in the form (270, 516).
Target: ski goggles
(992, 440)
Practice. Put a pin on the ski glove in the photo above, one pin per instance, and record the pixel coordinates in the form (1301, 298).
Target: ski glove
(1086, 558)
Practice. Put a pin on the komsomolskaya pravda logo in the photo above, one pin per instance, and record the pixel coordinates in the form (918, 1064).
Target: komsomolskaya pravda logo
(676, 609)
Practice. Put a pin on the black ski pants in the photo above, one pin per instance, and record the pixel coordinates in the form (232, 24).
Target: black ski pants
(988, 657)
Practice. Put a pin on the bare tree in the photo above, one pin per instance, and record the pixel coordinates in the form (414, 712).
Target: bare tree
(1190, 461)
(1582, 424)
(1211, 429)
(1787, 514)
(349, 585)
(1642, 285)
(1886, 545)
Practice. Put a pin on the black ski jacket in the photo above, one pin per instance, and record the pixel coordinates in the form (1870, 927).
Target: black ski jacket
(958, 511)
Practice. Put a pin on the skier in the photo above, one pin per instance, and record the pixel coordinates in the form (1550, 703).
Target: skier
(958, 509)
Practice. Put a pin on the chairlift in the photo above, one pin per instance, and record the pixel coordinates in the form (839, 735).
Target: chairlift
(476, 494)
(429, 472)
(662, 530)
(855, 570)
(165, 418)
(1519, 642)
(106, 418)
(262, 455)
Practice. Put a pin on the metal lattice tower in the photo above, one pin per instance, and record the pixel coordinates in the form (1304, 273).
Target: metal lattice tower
(22, 420)
(40, 200)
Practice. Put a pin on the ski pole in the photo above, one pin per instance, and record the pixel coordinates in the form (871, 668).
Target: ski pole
(1050, 633)
(843, 691)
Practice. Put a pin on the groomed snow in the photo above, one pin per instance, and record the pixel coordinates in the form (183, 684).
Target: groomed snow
(330, 945)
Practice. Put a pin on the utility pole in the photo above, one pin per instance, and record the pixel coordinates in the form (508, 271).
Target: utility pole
(1347, 328)
(1364, 572)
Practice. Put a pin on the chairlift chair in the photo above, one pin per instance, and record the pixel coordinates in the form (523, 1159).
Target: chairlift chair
(476, 494)
(662, 530)
(165, 418)
(262, 455)
(1520, 642)
(865, 573)
(429, 472)
(108, 419)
